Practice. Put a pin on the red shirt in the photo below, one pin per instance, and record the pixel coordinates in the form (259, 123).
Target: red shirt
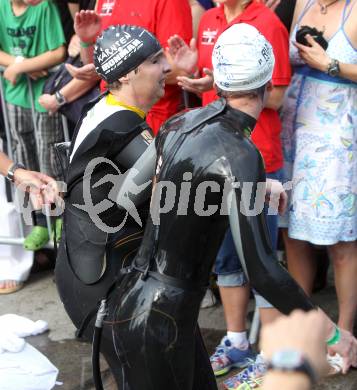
(163, 18)
(104, 8)
(266, 134)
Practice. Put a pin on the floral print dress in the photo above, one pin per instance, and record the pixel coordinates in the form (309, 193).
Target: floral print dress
(319, 138)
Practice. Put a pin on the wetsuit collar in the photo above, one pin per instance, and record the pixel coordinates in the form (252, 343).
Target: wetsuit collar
(244, 121)
(206, 113)
(112, 101)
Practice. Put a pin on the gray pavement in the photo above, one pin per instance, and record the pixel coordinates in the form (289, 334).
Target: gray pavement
(39, 300)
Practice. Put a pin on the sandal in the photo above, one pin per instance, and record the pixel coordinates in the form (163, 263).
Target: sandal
(8, 290)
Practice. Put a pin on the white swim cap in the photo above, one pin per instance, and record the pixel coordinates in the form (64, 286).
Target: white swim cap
(242, 59)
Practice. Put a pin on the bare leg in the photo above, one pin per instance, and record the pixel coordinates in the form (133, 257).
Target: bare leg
(344, 256)
(301, 262)
(235, 303)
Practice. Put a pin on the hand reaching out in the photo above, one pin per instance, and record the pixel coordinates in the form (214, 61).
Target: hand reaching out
(49, 102)
(303, 332)
(87, 25)
(184, 56)
(276, 196)
(85, 72)
(43, 189)
(347, 349)
(197, 86)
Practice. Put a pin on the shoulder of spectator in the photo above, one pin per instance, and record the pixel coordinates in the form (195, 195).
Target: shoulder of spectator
(299, 6)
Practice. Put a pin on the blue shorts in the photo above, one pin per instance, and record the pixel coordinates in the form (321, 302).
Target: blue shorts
(228, 266)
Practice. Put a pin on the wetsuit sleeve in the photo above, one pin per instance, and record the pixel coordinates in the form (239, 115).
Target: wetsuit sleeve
(137, 182)
(250, 235)
(132, 152)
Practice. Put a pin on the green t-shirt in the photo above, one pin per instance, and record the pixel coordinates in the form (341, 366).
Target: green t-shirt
(35, 32)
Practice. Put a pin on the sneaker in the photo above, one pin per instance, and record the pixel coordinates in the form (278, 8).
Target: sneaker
(37, 238)
(227, 356)
(208, 300)
(250, 378)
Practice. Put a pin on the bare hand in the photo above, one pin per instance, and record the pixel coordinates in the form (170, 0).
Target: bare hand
(314, 56)
(12, 72)
(303, 332)
(347, 349)
(197, 86)
(74, 47)
(42, 188)
(85, 72)
(49, 102)
(87, 25)
(37, 74)
(184, 56)
(276, 196)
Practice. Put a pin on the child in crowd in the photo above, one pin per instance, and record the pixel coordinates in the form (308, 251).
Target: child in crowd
(32, 42)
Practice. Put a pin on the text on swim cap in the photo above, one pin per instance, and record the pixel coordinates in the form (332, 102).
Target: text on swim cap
(266, 52)
(118, 45)
(124, 53)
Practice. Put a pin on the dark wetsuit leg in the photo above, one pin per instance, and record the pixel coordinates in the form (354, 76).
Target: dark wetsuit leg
(79, 298)
(159, 338)
(204, 378)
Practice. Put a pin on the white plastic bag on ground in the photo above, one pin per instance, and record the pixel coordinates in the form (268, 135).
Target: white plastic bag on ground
(22, 367)
(26, 370)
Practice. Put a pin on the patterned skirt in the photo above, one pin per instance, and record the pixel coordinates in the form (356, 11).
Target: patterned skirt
(319, 138)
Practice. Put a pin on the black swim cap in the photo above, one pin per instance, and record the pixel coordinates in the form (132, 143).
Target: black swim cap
(122, 48)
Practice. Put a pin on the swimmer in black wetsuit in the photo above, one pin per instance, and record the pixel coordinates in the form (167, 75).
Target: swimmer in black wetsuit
(154, 309)
(110, 136)
(151, 339)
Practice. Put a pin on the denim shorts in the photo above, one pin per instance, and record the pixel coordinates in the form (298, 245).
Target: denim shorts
(228, 266)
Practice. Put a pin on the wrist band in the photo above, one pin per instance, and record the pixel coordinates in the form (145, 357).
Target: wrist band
(85, 44)
(335, 338)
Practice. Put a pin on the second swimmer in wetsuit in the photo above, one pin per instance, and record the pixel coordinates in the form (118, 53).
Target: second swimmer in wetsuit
(202, 158)
(99, 238)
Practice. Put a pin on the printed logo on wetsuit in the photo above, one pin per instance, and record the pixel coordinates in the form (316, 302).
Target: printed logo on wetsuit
(148, 138)
(118, 52)
(209, 37)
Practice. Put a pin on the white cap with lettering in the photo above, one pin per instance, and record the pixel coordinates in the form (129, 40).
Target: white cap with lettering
(242, 59)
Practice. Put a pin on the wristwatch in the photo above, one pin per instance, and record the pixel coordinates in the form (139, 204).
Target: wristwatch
(289, 360)
(333, 68)
(11, 172)
(61, 100)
